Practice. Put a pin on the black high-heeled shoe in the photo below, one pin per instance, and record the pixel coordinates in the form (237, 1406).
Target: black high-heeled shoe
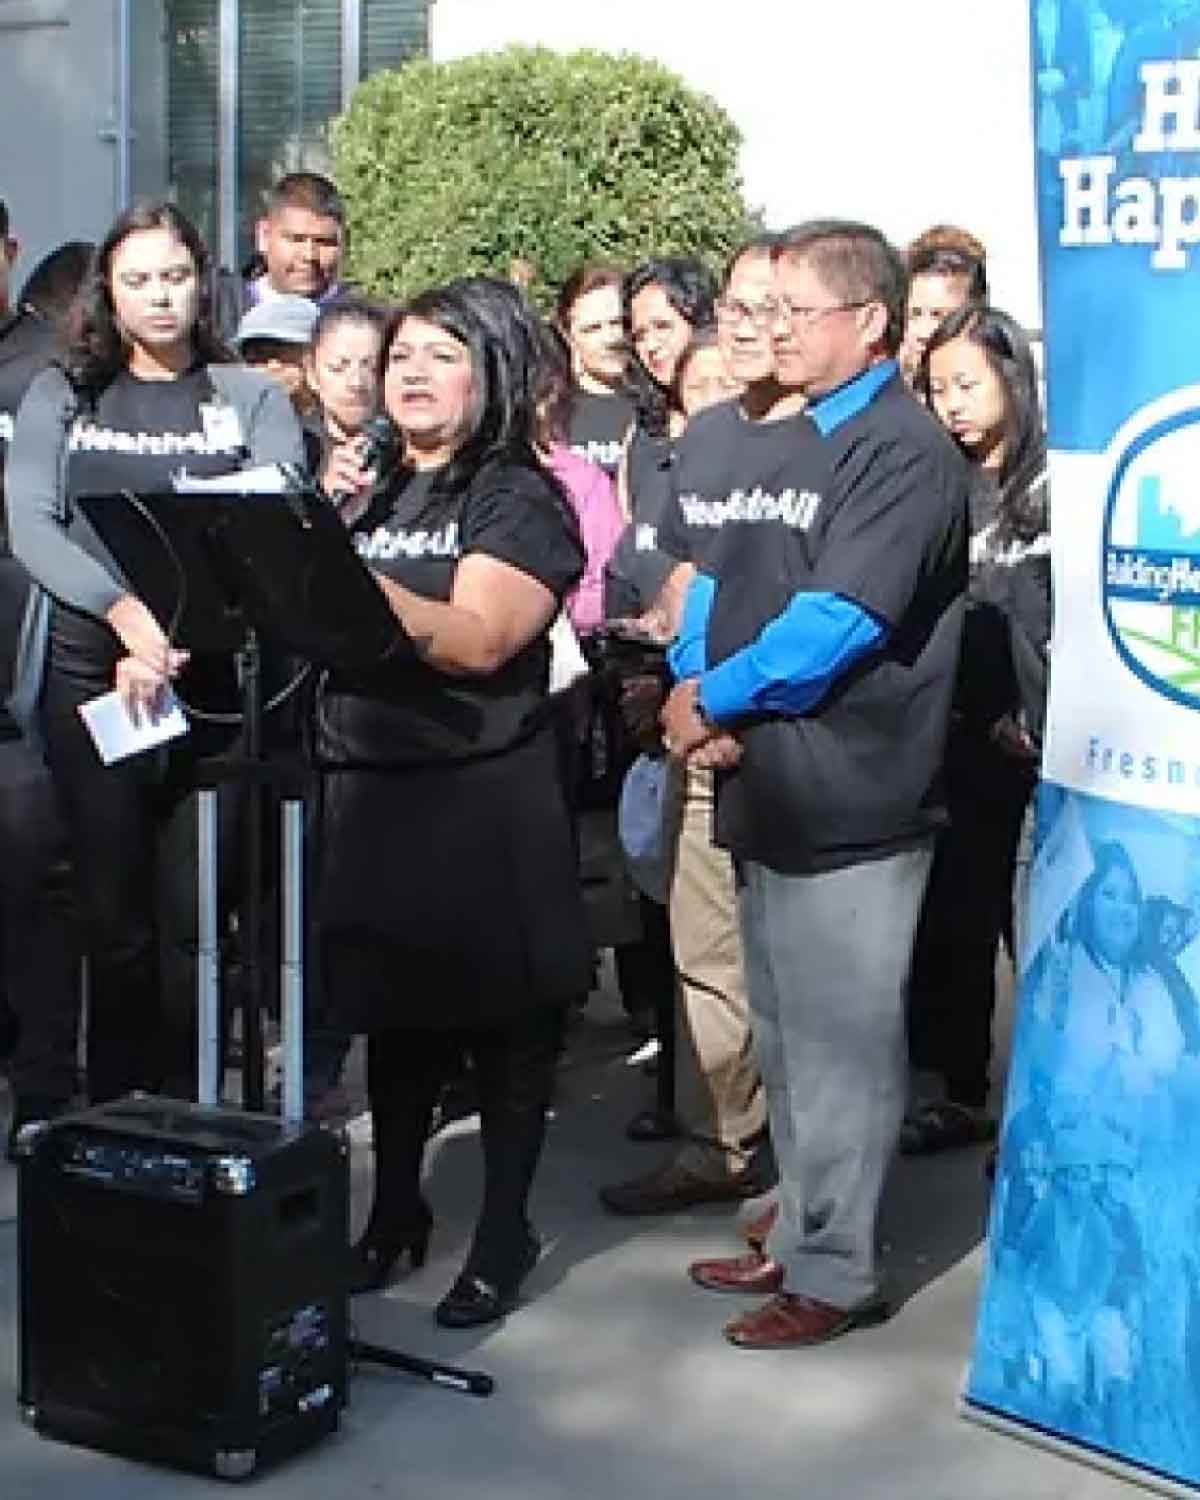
(476, 1299)
(373, 1258)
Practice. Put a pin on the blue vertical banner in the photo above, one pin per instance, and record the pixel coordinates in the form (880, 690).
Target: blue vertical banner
(1089, 1320)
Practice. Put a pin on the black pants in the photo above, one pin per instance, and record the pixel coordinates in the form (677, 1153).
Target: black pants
(514, 1071)
(39, 944)
(132, 832)
(968, 903)
(646, 967)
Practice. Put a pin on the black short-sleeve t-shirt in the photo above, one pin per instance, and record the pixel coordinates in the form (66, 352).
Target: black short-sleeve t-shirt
(138, 436)
(650, 476)
(727, 466)
(637, 569)
(874, 510)
(410, 713)
(598, 427)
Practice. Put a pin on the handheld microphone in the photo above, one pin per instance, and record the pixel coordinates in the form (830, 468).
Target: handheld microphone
(381, 435)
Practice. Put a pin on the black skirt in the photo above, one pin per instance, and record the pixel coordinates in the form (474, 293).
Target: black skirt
(449, 896)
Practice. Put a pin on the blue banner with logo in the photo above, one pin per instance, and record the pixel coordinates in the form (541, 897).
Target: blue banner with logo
(1089, 1321)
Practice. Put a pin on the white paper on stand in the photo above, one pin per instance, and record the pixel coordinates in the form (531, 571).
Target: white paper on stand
(267, 479)
(115, 734)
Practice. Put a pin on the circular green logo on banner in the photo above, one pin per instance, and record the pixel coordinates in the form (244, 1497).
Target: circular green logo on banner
(1151, 556)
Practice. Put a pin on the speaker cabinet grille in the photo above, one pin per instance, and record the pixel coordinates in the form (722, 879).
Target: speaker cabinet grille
(182, 1290)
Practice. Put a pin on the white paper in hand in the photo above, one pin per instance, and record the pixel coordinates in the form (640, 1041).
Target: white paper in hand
(567, 661)
(115, 734)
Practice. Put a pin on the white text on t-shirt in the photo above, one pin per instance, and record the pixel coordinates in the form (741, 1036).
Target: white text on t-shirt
(795, 508)
(383, 543)
(606, 455)
(90, 437)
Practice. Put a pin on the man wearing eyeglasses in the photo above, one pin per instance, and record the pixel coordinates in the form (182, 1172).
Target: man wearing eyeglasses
(816, 654)
(720, 1101)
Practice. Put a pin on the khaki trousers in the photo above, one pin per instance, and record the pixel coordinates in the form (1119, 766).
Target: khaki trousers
(718, 1089)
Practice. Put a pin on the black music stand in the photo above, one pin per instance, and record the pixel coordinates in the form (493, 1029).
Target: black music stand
(224, 573)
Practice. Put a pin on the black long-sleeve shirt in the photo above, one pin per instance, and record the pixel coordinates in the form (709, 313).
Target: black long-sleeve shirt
(1004, 664)
(27, 343)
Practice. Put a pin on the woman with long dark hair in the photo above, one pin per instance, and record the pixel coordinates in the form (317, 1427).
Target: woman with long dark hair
(449, 905)
(979, 378)
(144, 390)
(664, 302)
(1103, 991)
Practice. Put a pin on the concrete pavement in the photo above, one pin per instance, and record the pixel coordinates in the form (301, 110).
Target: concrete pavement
(613, 1379)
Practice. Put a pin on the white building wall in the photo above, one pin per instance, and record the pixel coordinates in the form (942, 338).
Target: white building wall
(901, 114)
(58, 91)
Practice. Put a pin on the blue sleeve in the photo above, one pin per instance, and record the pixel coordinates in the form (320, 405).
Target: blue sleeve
(687, 657)
(794, 659)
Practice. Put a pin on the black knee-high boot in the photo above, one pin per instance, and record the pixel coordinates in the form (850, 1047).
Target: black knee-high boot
(515, 1069)
(405, 1072)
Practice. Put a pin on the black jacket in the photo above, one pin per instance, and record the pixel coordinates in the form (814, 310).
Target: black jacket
(1004, 663)
(27, 344)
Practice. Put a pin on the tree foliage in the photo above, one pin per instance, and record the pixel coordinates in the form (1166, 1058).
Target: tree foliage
(536, 156)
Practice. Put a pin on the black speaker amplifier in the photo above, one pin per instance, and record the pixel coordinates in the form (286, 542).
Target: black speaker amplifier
(182, 1283)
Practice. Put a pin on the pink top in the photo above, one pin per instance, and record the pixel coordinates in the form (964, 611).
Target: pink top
(594, 497)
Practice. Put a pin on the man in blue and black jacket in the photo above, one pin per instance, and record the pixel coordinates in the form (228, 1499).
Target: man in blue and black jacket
(816, 661)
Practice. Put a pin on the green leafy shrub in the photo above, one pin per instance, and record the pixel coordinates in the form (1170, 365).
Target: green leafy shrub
(535, 156)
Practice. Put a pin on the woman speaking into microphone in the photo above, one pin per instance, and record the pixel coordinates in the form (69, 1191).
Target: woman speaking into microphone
(144, 390)
(449, 905)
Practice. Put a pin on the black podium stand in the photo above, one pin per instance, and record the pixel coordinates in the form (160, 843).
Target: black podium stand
(225, 574)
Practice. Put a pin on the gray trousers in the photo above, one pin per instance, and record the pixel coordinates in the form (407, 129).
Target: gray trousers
(826, 959)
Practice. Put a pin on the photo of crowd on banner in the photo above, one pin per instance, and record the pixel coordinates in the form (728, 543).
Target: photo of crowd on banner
(1092, 1319)
(1088, 56)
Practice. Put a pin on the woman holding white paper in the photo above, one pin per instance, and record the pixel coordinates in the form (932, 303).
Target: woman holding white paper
(144, 391)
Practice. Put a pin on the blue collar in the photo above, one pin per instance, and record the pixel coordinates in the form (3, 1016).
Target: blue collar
(838, 406)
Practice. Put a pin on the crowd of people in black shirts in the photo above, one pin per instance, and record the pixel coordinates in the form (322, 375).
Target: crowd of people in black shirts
(807, 501)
